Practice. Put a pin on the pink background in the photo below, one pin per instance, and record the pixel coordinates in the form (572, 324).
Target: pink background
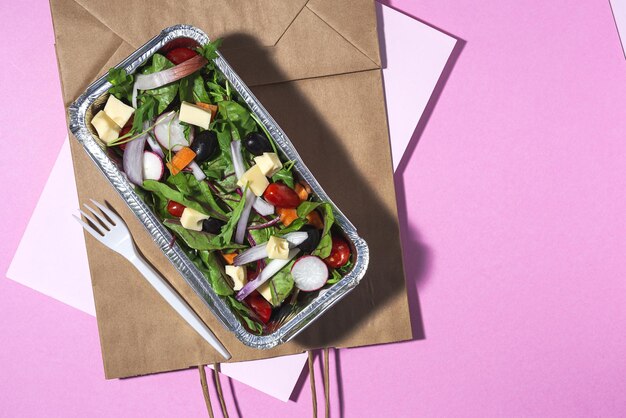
(513, 207)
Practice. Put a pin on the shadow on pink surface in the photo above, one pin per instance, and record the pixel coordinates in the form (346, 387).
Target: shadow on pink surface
(417, 255)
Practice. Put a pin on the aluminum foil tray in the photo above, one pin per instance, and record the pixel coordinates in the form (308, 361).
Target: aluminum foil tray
(289, 324)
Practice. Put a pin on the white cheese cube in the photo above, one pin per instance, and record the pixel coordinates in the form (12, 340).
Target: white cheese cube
(238, 274)
(269, 163)
(119, 112)
(255, 179)
(265, 291)
(194, 115)
(108, 130)
(277, 248)
(192, 219)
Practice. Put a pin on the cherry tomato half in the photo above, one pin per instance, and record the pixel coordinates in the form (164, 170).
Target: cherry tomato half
(262, 307)
(175, 208)
(179, 55)
(281, 196)
(339, 254)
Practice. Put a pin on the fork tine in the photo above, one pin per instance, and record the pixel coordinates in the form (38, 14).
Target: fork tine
(103, 220)
(90, 219)
(116, 219)
(88, 228)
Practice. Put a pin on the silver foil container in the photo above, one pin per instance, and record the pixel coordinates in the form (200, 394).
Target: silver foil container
(289, 324)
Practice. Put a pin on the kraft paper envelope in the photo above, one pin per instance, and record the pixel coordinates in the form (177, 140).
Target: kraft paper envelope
(315, 66)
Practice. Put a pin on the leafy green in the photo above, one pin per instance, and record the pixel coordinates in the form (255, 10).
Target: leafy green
(192, 89)
(146, 111)
(163, 95)
(122, 84)
(296, 225)
(245, 314)
(166, 192)
(325, 245)
(209, 51)
(262, 235)
(237, 118)
(227, 231)
(281, 284)
(284, 175)
(188, 185)
(217, 276)
(335, 276)
(199, 240)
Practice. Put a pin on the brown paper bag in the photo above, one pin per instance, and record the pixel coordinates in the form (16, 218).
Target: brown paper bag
(315, 66)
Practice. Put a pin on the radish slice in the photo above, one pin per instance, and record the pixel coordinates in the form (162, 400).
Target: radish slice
(153, 167)
(262, 207)
(309, 273)
(171, 133)
(156, 80)
(259, 251)
(242, 224)
(272, 268)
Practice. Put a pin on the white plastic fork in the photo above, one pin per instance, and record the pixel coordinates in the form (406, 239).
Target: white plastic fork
(114, 233)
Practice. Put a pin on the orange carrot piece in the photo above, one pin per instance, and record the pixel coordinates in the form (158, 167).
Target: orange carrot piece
(287, 216)
(209, 107)
(314, 219)
(230, 257)
(181, 160)
(301, 191)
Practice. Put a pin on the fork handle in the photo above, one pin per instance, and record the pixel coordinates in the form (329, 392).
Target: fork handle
(178, 303)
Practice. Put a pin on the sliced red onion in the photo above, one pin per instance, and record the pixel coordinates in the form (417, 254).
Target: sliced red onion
(262, 207)
(154, 146)
(156, 80)
(266, 224)
(196, 171)
(132, 160)
(243, 219)
(235, 150)
(267, 273)
(259, 251)
(171, 133)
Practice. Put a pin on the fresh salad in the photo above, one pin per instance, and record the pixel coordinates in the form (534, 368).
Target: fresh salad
(206, 166)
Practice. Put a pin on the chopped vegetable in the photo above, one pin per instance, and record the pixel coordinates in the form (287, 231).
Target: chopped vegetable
(181, 160)
(309, 273)
(175, 209)
(301, 192)
(287, 216)
(271, 269)
(281, 196)
(161, 78)
(229, 258)
(178, 55)
(153, 168)
(339, 254)
(262, 308)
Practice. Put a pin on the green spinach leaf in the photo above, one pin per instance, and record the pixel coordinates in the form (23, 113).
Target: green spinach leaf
(281, 284)
(245, 314)
(188, 185)
(122, 84)
(199, 240)
(285, 176)
(325, 245)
